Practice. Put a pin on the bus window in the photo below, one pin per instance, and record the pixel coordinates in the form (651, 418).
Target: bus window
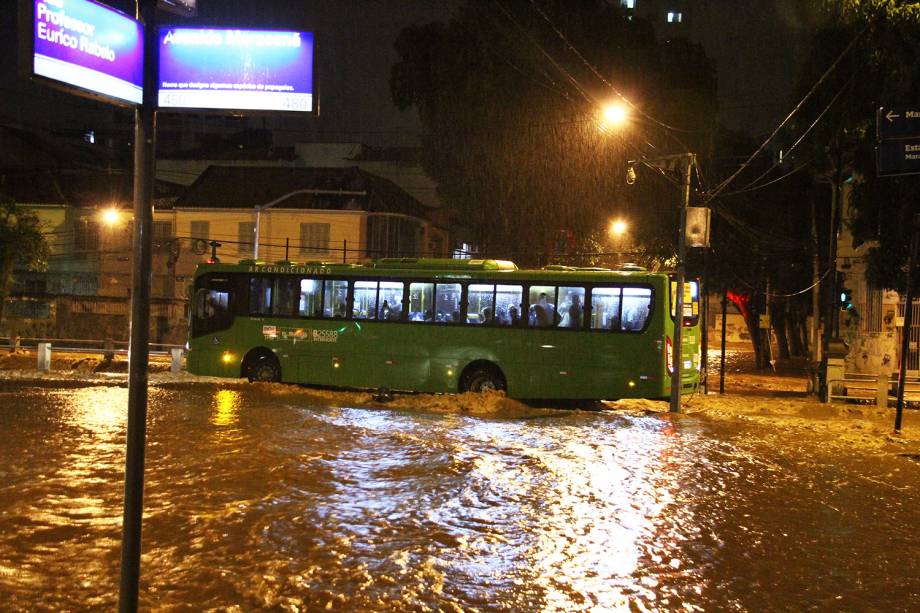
(365, 303)
(421, 302)
(447, 302)
(691, 301)
(571, 307)
(335, 298)
(391, 299)
(636, 304)
(285, 289)
(542, 306)
(508, 299)
(605, 308)
(311, 298)
(260, 296)
(480, 304)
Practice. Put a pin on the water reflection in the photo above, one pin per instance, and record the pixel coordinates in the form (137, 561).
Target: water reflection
(225, 407)
(256, 500)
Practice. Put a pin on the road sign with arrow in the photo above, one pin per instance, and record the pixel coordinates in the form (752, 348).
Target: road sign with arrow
(898, 140)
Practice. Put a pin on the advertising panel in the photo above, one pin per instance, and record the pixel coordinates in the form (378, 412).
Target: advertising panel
(88, 46)
(230, 69)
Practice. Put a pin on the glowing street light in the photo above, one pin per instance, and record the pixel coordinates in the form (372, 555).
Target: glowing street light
(110, 216)
(614, 115)
(618, 228)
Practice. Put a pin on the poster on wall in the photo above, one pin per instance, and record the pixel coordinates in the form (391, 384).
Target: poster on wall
(231, 69)
(86, 47)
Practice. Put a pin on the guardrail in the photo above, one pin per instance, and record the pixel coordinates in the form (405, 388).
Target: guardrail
(879, 389)
(82, 345)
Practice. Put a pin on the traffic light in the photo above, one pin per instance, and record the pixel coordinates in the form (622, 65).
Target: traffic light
(845, 299)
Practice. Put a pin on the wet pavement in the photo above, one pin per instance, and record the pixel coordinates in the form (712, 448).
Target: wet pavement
(259, 498)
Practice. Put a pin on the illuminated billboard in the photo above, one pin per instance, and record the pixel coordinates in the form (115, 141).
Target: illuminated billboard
(229, 69)
(88, 46)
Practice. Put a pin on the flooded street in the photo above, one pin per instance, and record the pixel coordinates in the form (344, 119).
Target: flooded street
(256, 498)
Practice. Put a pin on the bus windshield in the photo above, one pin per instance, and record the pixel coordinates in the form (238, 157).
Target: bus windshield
(691, 301)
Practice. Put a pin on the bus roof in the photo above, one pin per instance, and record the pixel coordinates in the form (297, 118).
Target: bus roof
(421, 266)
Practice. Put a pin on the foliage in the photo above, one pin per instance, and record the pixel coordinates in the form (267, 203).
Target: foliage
(508, 98)
(879, 70)
(22, 244)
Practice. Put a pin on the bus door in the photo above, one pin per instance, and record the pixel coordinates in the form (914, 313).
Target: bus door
(326, 336)
(559, 363)
(691, 335)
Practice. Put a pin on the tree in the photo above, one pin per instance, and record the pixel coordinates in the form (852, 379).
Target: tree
(880, 69)
(22, 245)
(508, 96)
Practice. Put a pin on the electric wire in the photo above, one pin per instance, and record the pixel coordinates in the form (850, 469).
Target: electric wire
(718, 189)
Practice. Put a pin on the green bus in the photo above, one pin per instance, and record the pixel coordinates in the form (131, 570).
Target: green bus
(444, 325)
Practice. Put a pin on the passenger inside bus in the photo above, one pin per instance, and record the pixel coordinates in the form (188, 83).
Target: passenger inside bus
(541, 313)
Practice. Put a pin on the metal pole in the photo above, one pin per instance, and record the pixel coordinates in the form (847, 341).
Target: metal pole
(344, 250)
(287, 248)
(908, 320)
(677, 364)
(704, 317)
(722, 357)
(138, 356)
(255, 243)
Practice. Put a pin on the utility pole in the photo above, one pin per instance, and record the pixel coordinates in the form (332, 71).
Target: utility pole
(908, 320)
(688, 160)
(138, 350)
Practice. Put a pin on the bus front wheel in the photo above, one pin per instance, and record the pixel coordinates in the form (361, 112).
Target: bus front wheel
(264, 368)
(482, 378)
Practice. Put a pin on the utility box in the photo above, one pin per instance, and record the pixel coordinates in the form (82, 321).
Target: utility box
(44, 357)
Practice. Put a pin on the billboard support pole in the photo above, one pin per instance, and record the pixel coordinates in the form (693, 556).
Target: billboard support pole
(138, 351)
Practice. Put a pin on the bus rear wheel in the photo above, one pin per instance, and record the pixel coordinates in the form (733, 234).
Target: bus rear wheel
(485, 378)
(264, 368)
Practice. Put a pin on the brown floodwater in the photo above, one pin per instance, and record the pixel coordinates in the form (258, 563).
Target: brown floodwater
(258, 500)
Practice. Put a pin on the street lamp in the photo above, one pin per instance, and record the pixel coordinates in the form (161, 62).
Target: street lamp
(613, 116)
(617, 228)
(110, 216)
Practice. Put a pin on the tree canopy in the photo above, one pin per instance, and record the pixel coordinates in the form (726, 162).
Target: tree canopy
(509, 96)
(22, 244)
(877, 43)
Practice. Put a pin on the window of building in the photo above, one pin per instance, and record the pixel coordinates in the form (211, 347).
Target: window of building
(201, 230)
(162, 234)
(629, 4)
(86, 235)
(245, 231)
(675, 16)
(314, 238)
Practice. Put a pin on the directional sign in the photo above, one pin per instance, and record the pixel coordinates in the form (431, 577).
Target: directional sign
(899, 156)
(898, 122)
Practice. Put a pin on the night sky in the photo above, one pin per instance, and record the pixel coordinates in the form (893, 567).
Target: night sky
(757, 46)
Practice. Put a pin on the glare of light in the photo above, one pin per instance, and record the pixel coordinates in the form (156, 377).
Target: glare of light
(614, 115)
(227, 357)
(618, 227)
(225, 407)
(111, 216)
